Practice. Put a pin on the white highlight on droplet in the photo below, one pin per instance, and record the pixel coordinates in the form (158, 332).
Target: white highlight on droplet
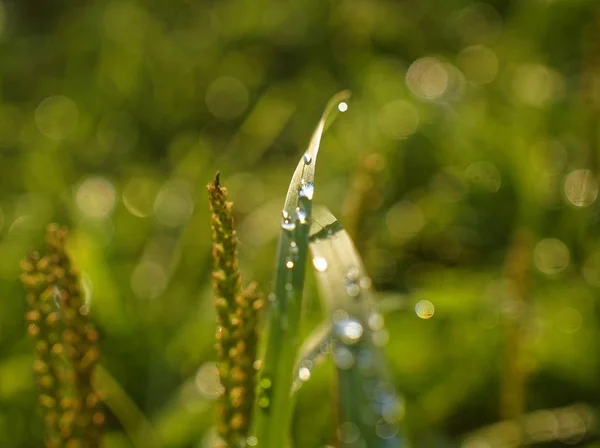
(343, 106)
(304, 373)
(349, 331)
(320, 264)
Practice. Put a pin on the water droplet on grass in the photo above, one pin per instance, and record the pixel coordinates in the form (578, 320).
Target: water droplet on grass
(348, 432)
(349, 331)
(288, 224)
(307, 190)
(307, 159)
(304, 373)
(352, 289)
(320, 264)
(380, 338)
(301, 216)
(376, 321)
(264, 402)
(386, 430)
(424, 309)
(343, 358)
(353, 274)
(289, 264)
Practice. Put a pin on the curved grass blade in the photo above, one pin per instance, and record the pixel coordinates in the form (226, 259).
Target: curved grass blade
(275, 382)
(312, 353)
(370, 411)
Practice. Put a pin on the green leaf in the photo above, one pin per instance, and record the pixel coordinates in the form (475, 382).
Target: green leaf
(272, 419)
(370, 411)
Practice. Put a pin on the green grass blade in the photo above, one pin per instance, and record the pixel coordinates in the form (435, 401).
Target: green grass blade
(312, 353)
(369, 409)
(272, 420)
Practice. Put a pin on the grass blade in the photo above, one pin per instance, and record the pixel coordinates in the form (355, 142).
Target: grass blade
(312, 353)
(276, 377)
(369, 409)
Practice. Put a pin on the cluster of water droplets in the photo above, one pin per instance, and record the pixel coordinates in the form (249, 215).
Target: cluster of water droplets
(264, 394)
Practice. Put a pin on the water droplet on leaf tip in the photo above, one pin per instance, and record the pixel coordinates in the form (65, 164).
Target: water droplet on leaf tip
(307, 159)
(343, 106)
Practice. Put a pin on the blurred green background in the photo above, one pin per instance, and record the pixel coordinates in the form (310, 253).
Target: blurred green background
(465, 167)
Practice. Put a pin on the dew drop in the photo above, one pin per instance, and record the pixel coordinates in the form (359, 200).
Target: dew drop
(272, 297)
(301, 216)
(266, 383)
(349, 331)
(353, 274)
(289, 286)
(343, 106)
(339, 315)
(304, 373)
(285, 215)
(293, 247)
(348, 432)
(263, 402)
(252, 441)
(289, 264)
(376, 321)
(288, 224)
(307, 159)
(343, 358)
(365, 283)
(424, 309)
(352, 289)
(386, 430)
(380, 338)
(365, 360)
(307, 190)
(320, 264)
